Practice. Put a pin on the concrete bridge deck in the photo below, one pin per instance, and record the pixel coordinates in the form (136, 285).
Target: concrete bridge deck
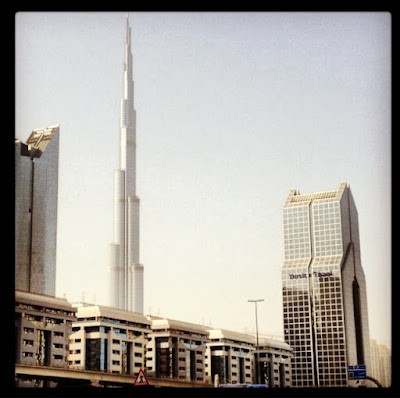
(99, 378)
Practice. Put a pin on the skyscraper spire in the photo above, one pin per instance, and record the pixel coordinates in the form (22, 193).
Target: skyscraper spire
(126, 274)
(128, 31)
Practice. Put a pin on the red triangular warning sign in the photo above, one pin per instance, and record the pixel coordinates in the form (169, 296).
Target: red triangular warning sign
(141, 379)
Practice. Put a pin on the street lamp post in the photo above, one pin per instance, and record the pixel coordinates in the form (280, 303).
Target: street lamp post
(256, 361)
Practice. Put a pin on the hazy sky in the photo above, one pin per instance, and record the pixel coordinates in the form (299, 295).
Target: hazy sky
(233, 110)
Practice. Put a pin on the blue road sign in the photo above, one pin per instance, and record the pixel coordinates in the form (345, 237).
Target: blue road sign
(357, 372)
(257, 386)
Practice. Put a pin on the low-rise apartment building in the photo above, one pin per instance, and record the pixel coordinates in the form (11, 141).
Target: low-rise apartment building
(52, 332)
(232, 356)
(42, 326)
(274, 358)
(107, 339)
(176, 349)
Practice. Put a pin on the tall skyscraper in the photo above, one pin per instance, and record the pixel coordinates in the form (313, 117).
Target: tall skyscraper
(36, 196)
(126, 273)
(324, 293)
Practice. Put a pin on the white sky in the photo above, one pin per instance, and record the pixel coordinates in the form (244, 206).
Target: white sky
(233, 110)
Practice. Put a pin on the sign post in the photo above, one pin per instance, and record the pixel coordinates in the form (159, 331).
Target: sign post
(141, 379)
(357, 372)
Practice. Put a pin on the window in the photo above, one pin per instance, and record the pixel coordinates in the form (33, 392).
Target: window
(121, 332)
(28, 342)
(90, 329)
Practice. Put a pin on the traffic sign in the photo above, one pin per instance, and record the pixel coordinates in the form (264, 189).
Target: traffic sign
(141, 379)
(357, 372)
(257, 386)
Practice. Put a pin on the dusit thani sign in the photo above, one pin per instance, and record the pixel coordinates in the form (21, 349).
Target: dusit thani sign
(315, 274)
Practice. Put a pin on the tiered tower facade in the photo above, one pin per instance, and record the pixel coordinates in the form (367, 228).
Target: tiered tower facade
(126, 273)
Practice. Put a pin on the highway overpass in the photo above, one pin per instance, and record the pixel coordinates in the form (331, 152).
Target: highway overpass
(66, 376)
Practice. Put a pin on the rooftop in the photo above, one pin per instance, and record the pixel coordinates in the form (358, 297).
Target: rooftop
(40, 138)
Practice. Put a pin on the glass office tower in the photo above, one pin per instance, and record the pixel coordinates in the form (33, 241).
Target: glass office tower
(36, 201)
(324, 293)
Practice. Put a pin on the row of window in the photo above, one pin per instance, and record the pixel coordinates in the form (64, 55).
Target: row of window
(318, 210)
(30, 354)
(331, 221)
(105, 329)
(295, 317)
(332, 363)
(322, 291)
(114, 362)
(304, 252)
(31, 330)
(296, 234)
(29, 343)
(329, 285)
(296, 293)
(328, 250)
(331, 224)
(297, 242)
(295, 212)
(329, 301)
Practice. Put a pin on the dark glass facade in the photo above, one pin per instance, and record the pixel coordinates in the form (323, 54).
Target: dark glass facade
(96, 354)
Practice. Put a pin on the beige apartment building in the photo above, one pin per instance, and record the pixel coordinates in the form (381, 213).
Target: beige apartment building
(176, 349)
(233, 356)
(108, 339)
(42, 327)
(53, 332)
